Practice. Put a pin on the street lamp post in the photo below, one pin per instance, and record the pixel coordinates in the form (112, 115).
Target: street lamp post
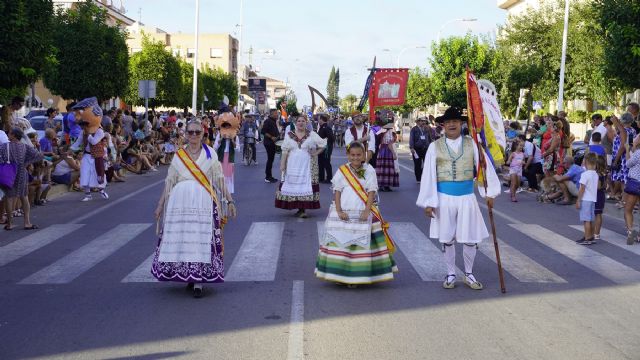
(405, 49)
(194, 95)
(451, 21)
(565, 34)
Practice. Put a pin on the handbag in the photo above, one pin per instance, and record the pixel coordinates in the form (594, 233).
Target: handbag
(8, 171)
(632, 187)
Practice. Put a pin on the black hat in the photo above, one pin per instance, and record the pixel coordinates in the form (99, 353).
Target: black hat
(452, 113)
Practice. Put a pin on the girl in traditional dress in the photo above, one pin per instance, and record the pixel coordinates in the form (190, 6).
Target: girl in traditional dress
(190, 247)
(299, 165)
(385, 161)
(355, 248)
(226, 148)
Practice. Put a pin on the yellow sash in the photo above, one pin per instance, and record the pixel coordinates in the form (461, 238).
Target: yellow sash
(357, 187)
(201, 178)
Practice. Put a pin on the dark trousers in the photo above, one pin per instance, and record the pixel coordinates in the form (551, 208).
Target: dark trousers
(324, 165)
(270, 147)
(531, 175)
(419, 162)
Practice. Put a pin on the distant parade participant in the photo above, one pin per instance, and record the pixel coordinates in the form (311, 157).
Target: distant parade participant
(354, 248)
(446, 194)
(324, 158)
(419, 140)
(299, 188)
(226, 145)
(386, 158)
(190, 246)
(362, 133)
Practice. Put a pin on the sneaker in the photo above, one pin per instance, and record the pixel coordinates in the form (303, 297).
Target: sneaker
(86, 198)
(631, 236)
(153, 169)
(267, 180)
(255, 162)
(104, 194)
(581, 239)
(471, 282)
(519, 190)
(596, 237)
(585, 242)
(273, 180)
(449, 281)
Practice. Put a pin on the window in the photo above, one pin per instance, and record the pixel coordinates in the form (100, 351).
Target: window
(191, 52)
(215, 53)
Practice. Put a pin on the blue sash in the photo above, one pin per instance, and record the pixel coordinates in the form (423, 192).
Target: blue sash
(456, 188)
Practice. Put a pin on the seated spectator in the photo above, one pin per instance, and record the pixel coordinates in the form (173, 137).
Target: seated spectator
(67, 169)
(532, 168)
(569, 182)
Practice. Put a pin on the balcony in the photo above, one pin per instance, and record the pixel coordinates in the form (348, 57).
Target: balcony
(506, 4)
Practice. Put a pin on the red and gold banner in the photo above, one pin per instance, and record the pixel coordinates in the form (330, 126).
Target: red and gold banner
(389, 87)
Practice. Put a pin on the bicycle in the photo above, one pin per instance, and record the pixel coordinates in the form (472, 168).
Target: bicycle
(248, 152)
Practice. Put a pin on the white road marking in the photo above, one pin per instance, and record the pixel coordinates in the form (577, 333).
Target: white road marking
(601, 264)
(518, 264)
(296, 324)
(114, 203)
(35, 241)
(425, 257)
(257, 259)
(73, 265)
(142, 273)
(613, 238)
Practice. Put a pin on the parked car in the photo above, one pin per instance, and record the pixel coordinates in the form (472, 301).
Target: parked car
(36, 112)
(37, 123)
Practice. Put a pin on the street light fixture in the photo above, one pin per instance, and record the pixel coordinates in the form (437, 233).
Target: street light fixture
(452, 21)
(405, 49)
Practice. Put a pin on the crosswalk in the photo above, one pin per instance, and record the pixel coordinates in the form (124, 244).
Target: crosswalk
(258, 257)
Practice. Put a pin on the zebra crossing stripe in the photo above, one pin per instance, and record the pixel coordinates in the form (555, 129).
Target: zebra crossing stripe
(257, 259)
(28, 244)
(73, 265)
(424, 256)
(142, 273)
(601, 264)
(613, 238)
(518, 264)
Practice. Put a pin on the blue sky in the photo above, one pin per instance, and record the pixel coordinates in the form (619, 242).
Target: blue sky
(311, 36)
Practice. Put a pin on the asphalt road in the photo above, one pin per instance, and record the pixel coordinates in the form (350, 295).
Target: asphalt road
(79, 288)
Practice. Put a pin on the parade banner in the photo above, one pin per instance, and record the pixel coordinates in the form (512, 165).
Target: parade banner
(493, 124)
(389, 87)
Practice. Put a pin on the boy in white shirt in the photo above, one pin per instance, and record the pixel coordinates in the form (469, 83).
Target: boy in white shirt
(587, 196)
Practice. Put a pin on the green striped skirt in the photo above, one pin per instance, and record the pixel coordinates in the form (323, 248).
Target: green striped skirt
(356, 264)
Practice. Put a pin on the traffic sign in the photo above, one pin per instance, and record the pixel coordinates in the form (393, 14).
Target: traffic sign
(147, 89)
(257, 84)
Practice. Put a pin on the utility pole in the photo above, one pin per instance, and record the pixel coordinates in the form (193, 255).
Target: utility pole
(565, 34)
(194, 96)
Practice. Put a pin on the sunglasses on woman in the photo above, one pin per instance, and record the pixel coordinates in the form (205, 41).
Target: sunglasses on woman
(194, 132)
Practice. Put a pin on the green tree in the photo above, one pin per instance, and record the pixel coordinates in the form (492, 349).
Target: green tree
(348, 103)
(91, 57)
(186, 94)
(216, 84)
(25, 44)
(420, 92)
(619, 23)
(448, 61)
(336, 80)
(153, 62)
(332, 88)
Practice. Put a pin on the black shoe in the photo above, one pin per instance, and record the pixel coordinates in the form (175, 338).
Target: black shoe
(273, 180)
(197, 292)
(190, 286)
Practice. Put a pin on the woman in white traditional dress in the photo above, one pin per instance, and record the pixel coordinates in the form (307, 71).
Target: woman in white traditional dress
(299, 165)
(190, 247)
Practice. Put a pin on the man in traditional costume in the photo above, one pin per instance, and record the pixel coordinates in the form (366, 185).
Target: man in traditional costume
(362, 133)
(446, 194)
(88, 115)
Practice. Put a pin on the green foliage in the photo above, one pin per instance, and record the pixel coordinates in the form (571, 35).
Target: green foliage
(603, 113)
(186, 94)
(619, 23)
(153, 62)
(448, 61)
(25, 44)
(292, 106)
(91, 57)
(215, 84)
(332, 87)
(348, 103)
(578, 116)
(420, 92)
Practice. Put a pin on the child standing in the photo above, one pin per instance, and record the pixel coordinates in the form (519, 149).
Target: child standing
(601, 169)
(587, 196)
(516, 160)
(355, 248)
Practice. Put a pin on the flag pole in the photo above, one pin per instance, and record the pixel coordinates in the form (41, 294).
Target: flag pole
(483, 170)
